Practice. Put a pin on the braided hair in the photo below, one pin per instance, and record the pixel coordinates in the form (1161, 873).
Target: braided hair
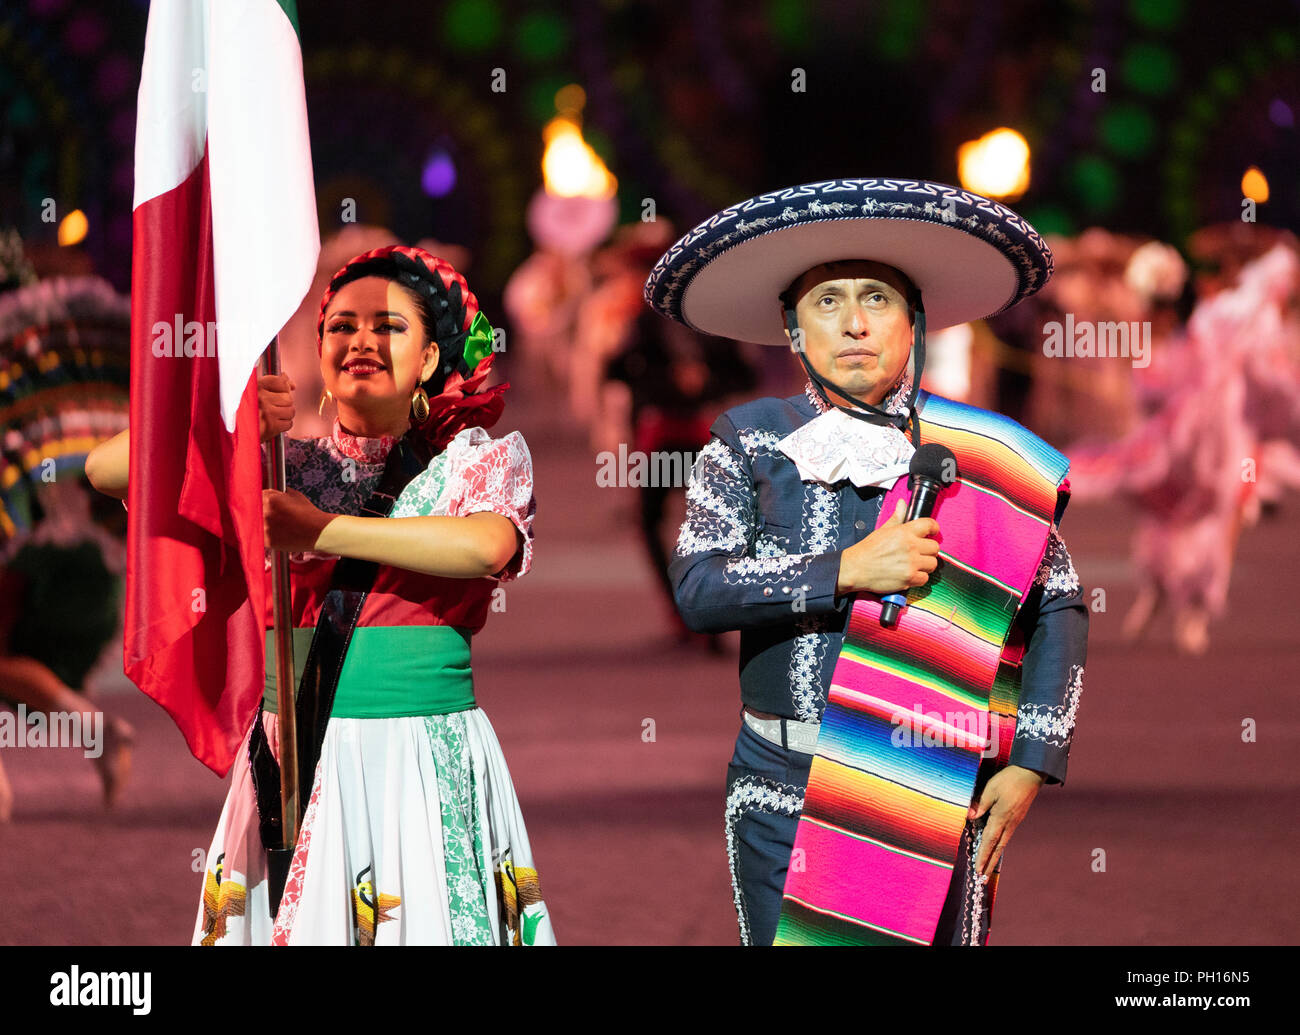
(443, 299)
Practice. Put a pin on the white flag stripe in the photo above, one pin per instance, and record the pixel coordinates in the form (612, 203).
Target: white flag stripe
(265, 237)
(171, 119)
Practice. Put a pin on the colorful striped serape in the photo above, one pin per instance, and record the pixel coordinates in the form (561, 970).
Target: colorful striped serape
(912, 710)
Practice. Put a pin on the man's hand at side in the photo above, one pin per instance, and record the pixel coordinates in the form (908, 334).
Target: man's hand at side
(1006, 798)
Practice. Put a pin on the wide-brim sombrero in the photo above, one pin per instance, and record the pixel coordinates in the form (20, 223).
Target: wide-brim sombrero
(971, 257)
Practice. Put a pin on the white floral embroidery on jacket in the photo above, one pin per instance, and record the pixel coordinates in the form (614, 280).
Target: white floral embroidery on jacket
(1056, 573)
(1052, 724)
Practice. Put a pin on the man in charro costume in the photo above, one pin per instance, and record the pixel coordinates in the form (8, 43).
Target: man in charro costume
(881, 768)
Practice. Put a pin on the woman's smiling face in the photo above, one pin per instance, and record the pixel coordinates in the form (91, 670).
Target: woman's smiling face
(374, 350)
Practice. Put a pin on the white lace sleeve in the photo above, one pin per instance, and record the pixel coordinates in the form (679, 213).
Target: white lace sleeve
(496, 476)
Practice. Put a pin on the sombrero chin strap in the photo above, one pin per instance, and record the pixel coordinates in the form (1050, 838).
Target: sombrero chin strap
(866, 411)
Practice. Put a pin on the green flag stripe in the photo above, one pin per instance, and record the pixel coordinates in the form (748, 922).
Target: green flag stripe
(290, 9)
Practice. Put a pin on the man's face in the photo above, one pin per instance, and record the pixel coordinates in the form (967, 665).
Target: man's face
(857, 328)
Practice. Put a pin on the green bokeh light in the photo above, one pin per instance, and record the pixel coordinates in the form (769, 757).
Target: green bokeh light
(1201, 108)
(1183, 210)
(900, 27)
(1128, 130)
(22, 112)
(1254, 60)
(1051, 219)
(1096, 183)
(1226, 81)
(541, 36)
(789, 22)
(1157, 14)
(472, 24)
(1184, 139)
(1149, 69)
(541, 97)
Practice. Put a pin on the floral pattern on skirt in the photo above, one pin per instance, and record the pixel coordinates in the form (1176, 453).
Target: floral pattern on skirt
(412, 836)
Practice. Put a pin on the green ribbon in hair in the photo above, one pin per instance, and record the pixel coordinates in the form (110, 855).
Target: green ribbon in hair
(478, 342)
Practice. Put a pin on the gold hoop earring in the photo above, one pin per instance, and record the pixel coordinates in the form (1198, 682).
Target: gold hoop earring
(325, 396)
(420, 405)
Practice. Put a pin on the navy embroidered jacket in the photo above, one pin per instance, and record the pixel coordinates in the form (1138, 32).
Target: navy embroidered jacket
(759, 551)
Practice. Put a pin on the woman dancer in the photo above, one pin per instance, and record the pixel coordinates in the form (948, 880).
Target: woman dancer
(412, 833)
(1230, 416)
(65, 348)
(60, 591)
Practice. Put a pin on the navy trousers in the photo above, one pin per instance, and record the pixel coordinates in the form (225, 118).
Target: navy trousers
(765, 788)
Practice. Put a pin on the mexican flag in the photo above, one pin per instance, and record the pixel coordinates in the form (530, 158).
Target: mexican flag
(225, 247)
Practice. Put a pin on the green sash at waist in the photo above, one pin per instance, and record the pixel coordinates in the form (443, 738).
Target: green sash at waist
(390, 671)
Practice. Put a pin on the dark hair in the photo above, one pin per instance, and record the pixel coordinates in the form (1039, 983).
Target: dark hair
(441, 309)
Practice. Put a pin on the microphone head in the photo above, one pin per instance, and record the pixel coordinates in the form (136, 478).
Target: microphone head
(935, 463)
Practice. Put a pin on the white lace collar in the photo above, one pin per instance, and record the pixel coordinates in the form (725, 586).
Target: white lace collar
(834, 447)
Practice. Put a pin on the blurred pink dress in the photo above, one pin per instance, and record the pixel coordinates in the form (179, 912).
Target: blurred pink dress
(1230, 421)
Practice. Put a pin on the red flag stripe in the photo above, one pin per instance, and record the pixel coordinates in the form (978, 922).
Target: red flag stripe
(195, 594)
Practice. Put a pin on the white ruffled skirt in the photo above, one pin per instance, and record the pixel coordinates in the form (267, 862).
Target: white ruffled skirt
(412, 836)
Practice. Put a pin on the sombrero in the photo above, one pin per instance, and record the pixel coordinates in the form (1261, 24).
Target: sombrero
(971, 257)
(968, 256)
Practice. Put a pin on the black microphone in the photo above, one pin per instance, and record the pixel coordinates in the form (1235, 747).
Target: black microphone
(933, 469)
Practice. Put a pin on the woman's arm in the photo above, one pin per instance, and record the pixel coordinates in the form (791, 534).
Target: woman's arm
(453, 547)
(471, 547)
(107, 465)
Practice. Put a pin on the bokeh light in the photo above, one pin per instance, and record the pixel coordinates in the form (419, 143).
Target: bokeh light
(996, 165)
(1157, 14)
(73, 228)
(541, 36)
(1095, 181)
(1149, 68)
(439, 176)
(472, 25)
(570, 168)
(1128, 130)
(1254, 185)
(570, 100)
